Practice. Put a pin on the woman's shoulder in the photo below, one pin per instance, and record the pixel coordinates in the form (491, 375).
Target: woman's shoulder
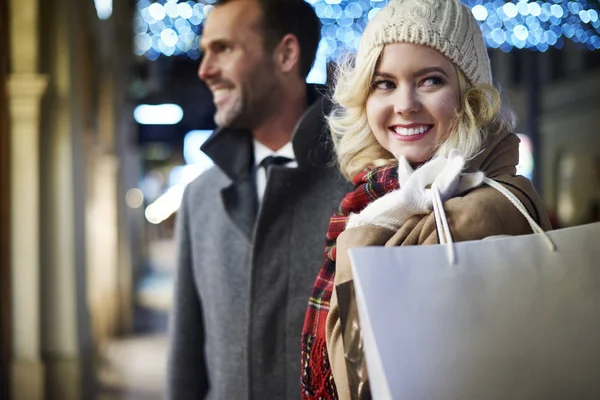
(480, 213)
(485, 211)
(475, 215)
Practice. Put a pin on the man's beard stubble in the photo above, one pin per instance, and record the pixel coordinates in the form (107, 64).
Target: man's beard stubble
(229, 117)
(258, 99)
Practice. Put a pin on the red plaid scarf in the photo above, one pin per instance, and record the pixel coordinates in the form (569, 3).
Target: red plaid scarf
(317, 381)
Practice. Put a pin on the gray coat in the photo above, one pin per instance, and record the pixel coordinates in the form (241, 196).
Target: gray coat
(242, 287)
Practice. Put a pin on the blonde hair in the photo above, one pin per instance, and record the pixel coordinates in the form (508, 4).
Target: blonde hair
(479, 116)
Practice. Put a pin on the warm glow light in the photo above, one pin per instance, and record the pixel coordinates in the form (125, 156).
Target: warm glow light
(161, 114)
(134, 198)
(526, 161)
(104, 8)
(165, 205)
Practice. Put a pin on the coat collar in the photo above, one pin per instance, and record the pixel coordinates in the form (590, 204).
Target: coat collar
(499, 157)
(231, 149)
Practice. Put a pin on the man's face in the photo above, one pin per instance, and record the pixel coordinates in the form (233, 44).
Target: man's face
(235, 66)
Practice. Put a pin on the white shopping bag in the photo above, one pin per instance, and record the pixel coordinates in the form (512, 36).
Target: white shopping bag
(510, 319)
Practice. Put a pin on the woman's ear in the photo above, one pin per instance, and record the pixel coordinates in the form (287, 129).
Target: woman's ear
(288, 53)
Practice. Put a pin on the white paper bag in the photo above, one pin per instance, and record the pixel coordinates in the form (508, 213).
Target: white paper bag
(511, 319)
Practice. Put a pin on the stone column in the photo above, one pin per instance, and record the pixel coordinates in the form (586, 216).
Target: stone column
(25, 91)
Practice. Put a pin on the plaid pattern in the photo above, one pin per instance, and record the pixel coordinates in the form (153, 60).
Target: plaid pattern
(317, 381)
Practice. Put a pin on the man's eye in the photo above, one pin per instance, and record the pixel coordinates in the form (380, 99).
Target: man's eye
(222, 48)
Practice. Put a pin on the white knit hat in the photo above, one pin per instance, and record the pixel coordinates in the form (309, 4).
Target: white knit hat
(445, 25)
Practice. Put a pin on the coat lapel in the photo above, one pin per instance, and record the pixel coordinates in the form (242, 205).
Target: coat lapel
(240, 203)
(233, 152)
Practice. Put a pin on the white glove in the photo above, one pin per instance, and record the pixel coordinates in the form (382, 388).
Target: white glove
(414, 196)
(451, 181)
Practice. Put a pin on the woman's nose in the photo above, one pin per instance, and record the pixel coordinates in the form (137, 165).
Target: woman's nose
(406, 101)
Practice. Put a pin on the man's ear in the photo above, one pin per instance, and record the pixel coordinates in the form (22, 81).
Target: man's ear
(288, 53)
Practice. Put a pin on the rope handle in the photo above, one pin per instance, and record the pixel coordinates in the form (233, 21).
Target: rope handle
(441, 221)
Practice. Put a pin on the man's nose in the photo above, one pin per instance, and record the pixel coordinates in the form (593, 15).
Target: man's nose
(208, 68)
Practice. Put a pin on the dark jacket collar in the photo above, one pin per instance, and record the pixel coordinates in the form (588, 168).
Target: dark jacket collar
(232, 149)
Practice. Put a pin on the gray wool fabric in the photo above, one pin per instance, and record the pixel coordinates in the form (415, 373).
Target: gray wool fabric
(242, 288)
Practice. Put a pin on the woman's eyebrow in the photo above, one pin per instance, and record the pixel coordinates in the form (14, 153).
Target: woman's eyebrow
(424, 71)
(386, 75)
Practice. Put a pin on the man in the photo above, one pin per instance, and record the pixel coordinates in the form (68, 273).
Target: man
(251, 239)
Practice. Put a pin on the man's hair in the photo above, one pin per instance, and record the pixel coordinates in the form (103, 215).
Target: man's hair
(296, 17)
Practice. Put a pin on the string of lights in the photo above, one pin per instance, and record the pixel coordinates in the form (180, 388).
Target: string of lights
(537, 25)
(172, 27)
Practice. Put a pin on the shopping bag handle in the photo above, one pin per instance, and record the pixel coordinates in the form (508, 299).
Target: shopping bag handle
(441, 221)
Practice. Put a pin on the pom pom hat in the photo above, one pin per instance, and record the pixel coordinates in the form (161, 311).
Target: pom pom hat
(445, 25)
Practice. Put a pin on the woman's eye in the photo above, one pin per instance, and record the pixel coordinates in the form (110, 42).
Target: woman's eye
(383, 84)
(432, 81)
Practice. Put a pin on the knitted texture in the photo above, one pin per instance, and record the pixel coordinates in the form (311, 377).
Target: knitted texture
(317, 381)
(445, 25)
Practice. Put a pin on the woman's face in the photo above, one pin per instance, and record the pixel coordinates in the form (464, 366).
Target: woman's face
(414, 96)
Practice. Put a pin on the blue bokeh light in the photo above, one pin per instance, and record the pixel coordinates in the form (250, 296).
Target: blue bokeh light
(538, 24)
(173, 27)
(480, 12)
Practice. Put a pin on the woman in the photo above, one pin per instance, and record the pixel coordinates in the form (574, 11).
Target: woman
(415, 108)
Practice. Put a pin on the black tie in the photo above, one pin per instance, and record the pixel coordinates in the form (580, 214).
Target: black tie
(269, 161)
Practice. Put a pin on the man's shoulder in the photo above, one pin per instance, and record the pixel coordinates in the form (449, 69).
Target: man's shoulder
(320, 105)
(211, 180)
(311, 140)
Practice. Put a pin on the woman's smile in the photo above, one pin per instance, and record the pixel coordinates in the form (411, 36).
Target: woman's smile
(409, 133)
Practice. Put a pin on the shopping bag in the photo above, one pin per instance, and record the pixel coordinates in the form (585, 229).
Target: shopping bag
(510, 320)
(502, 318)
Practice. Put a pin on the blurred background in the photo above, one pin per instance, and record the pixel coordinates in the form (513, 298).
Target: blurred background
(101, 119)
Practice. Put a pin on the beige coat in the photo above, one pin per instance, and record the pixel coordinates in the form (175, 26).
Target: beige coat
(480, 213)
